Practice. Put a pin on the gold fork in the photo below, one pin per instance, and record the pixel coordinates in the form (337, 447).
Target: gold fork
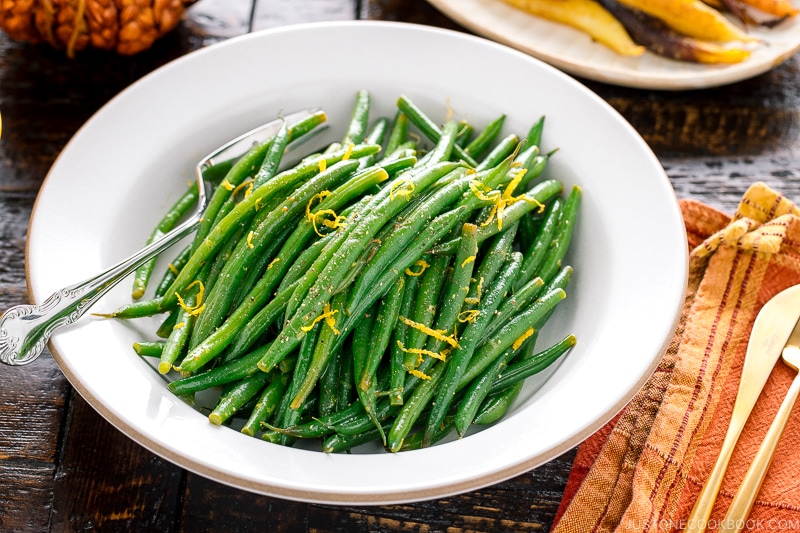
(746, 495)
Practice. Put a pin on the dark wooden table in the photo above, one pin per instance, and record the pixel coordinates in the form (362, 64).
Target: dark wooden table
(63, 468)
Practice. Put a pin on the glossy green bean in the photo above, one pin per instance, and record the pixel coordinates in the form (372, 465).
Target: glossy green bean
(428, 127)
(267, 404)
(486, 137)
(459, 359)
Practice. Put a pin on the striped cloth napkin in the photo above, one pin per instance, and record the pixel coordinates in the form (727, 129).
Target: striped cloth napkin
(644, 469)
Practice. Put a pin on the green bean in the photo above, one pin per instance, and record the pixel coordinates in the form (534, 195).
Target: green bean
(486, 137)
(507, 146)
(420, 216)
(536, 198)
(168, 324)
(413, 441)
(477, 390)
(256, 298)
(536, 253)
(329, 382)
(518, 300)
(527, 321)
(243, 167)
(142, 274)
(303, 262)
(465, 131)
(255, 242)
(361, 348)
(428, 127)
(271, 162)
(357, 128)
(377, 135)
(285, 415)
(341, 443)
(267, 403)
(148, 349)
(398, 133)
(459, 359)
(321, 355)
(521, 370)
(239, 217)
(244, 339)
(413, 407)
(319, 426)
(458, 286)
(385, 320)
(178, 339)
(396, 354)
(494, 257)
(237, 397)
(355, 241)
(220, 375)
(534, 137)
(561, 240)
(425, 307)
(172, 270)
(346, 394)
(444, 146)
(496, 405)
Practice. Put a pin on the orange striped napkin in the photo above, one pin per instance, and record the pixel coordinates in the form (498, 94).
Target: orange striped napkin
(644, 469)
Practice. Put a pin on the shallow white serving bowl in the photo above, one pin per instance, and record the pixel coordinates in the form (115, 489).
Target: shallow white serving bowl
(122, 170)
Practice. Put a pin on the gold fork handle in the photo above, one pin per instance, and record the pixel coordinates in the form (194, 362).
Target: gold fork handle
(698, 519)
(746, 495)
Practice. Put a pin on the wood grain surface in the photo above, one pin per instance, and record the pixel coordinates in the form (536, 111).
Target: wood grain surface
(64, 468)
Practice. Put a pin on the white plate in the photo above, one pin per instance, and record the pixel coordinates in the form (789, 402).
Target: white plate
(575, 52)
(119, 173)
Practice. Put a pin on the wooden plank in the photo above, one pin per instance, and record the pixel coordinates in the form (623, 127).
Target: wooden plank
(276, 13)
(107, 482)
(402, 10)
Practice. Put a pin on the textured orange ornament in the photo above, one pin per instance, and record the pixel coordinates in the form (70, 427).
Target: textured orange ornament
(125, 26)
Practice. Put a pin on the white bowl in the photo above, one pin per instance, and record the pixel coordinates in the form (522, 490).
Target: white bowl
(121, 171)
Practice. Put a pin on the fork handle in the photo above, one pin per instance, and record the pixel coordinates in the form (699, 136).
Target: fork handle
(746, 495)
(25, 329)
(698, 519)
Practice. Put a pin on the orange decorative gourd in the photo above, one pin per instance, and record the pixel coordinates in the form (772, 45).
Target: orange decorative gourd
(125, 26)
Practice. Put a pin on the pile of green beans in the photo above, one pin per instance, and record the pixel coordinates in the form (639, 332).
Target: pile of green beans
(389, 288)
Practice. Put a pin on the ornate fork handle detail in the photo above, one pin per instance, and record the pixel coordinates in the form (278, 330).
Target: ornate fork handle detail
(25, 329)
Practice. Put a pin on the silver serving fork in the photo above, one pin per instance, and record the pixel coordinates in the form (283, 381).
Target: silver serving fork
(26, 329)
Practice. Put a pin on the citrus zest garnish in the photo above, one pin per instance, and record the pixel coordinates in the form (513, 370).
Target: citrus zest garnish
(347, 152)
(422, 264)
(418, 374)
(179, 325)
(421, 351)
(323, 164)
(327, 316)
(227, 185)
(438, 334)
(172, 268)
(522, 338)
(333, 224)
(468, 316)
(319, 196)
(468, 260)
(198, 307)
(273, 262)
(401, 187)
(250, 240)
(247, 184)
